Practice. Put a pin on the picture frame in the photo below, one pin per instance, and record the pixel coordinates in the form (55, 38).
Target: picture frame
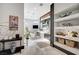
(13, 22)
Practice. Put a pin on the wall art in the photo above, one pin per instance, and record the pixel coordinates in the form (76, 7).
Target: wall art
(13, 22)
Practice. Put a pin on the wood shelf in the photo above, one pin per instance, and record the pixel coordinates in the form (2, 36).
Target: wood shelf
(45, 16)
(73, 50)
(9, 40)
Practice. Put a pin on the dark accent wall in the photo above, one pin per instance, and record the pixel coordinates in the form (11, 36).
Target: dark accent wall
(52, 25)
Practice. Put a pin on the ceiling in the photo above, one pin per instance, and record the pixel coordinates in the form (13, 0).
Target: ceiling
(35, 10)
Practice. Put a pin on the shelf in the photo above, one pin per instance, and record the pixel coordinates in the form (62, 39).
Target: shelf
(68, 38)
(45, 16)
(9, 40)
(73, 50)
(71, 17)
(68, 27)
(67, 8)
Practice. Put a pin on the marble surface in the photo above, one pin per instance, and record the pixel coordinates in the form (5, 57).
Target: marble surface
(39, 47)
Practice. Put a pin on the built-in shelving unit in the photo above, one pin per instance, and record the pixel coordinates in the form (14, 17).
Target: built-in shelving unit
(66, 25)
(45, 24)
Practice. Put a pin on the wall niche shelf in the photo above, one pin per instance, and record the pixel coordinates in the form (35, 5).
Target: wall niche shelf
(67, 29)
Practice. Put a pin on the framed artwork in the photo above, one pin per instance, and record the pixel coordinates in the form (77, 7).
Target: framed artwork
(13, 22)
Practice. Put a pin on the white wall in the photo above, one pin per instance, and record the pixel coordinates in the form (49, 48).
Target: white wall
(35, 11)
(29, 23)
(15, 9)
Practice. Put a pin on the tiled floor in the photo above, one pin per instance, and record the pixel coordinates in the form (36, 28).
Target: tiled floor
(40, 47)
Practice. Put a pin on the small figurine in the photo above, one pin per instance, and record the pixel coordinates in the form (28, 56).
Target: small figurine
(74, 34)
